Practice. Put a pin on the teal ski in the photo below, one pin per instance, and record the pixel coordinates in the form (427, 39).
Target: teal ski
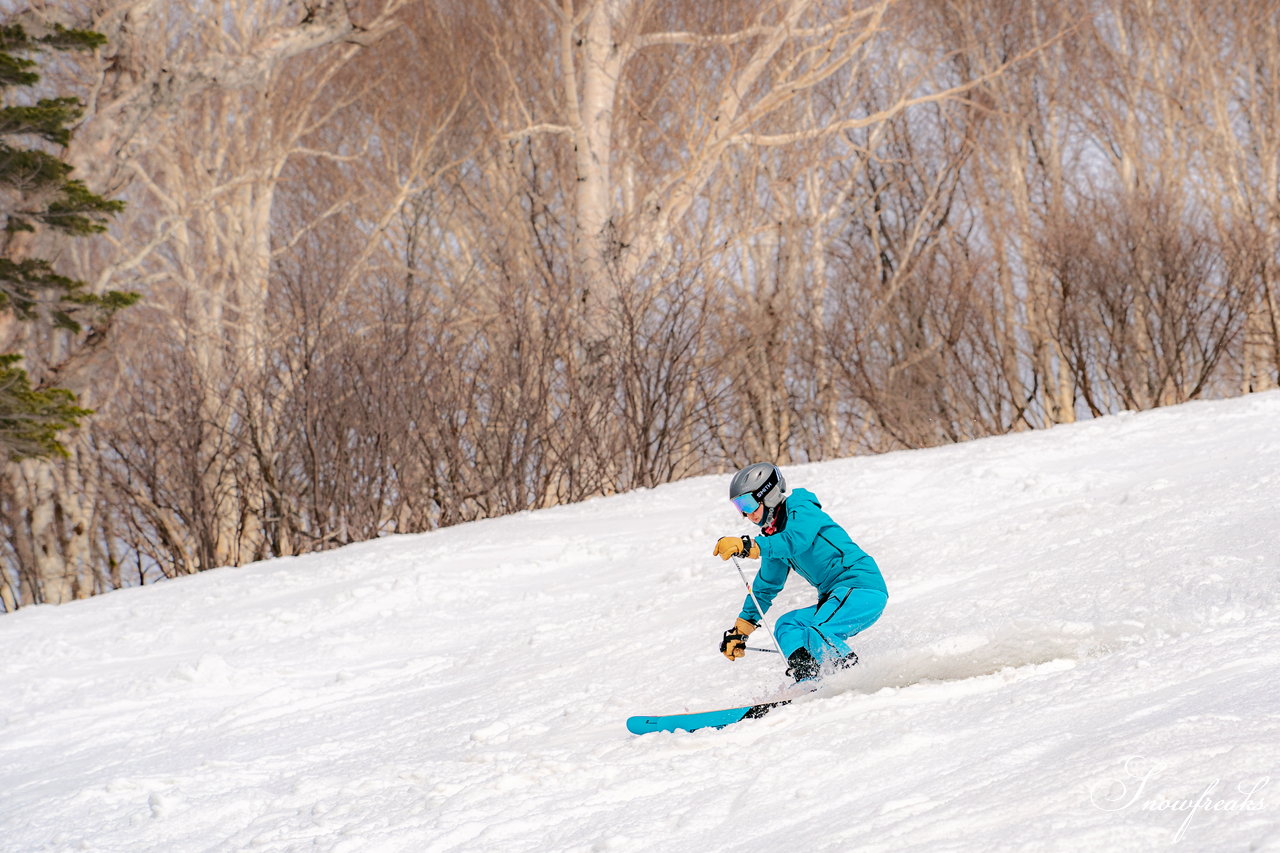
(701, 719)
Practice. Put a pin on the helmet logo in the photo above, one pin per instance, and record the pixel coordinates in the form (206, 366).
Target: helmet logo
(764, 488)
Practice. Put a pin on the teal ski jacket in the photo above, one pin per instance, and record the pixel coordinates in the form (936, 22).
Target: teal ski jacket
(809, 542)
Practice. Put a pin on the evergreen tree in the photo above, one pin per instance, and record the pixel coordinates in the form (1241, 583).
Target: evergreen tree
(37, 191)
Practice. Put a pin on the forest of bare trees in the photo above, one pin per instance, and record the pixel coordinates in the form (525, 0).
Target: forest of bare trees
(409, 263)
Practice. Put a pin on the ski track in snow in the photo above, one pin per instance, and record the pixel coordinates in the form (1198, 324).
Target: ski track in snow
(1081, 623)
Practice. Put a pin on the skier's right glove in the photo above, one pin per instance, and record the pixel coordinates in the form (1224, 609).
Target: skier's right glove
(734, 644)
(736, 546)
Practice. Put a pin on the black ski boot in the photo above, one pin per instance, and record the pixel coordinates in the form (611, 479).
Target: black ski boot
(847, 662)
(804, 666)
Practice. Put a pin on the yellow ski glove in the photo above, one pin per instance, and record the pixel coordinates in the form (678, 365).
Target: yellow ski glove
(736, 546)
(734, 644)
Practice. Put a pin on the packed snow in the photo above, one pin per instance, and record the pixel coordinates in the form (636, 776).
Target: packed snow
(1079, 653)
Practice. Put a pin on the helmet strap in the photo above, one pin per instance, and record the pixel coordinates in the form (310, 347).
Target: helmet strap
(774, 519)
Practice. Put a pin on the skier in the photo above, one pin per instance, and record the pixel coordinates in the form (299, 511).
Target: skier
(797, 534)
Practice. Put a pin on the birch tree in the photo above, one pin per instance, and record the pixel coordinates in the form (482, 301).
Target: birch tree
(158, 59)
(1234, 85)
(666, 171)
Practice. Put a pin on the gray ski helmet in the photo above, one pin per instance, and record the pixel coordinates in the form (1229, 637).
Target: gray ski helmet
(763, 482)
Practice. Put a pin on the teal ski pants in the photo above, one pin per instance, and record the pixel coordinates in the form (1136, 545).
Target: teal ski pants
(823, 628)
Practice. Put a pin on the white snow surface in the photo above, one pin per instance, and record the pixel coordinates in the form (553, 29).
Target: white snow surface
(1079, 653)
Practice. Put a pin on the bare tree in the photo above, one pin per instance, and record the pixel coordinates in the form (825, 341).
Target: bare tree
(1232, 93)
(1147, 327)
(133, 87)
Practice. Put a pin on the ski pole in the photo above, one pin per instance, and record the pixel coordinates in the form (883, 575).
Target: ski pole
(759, 609)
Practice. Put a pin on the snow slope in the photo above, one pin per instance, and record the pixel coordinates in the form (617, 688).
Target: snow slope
(1080, 653)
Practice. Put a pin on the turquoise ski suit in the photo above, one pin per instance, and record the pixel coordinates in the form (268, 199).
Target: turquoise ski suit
(851, 591)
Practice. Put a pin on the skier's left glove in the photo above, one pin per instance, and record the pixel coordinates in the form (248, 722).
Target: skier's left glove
(736, 546)
(734, 644)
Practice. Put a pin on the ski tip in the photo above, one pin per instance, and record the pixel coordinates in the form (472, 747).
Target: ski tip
(640, 725)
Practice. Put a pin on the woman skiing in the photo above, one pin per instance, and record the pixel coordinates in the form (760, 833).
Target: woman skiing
(796, 534)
